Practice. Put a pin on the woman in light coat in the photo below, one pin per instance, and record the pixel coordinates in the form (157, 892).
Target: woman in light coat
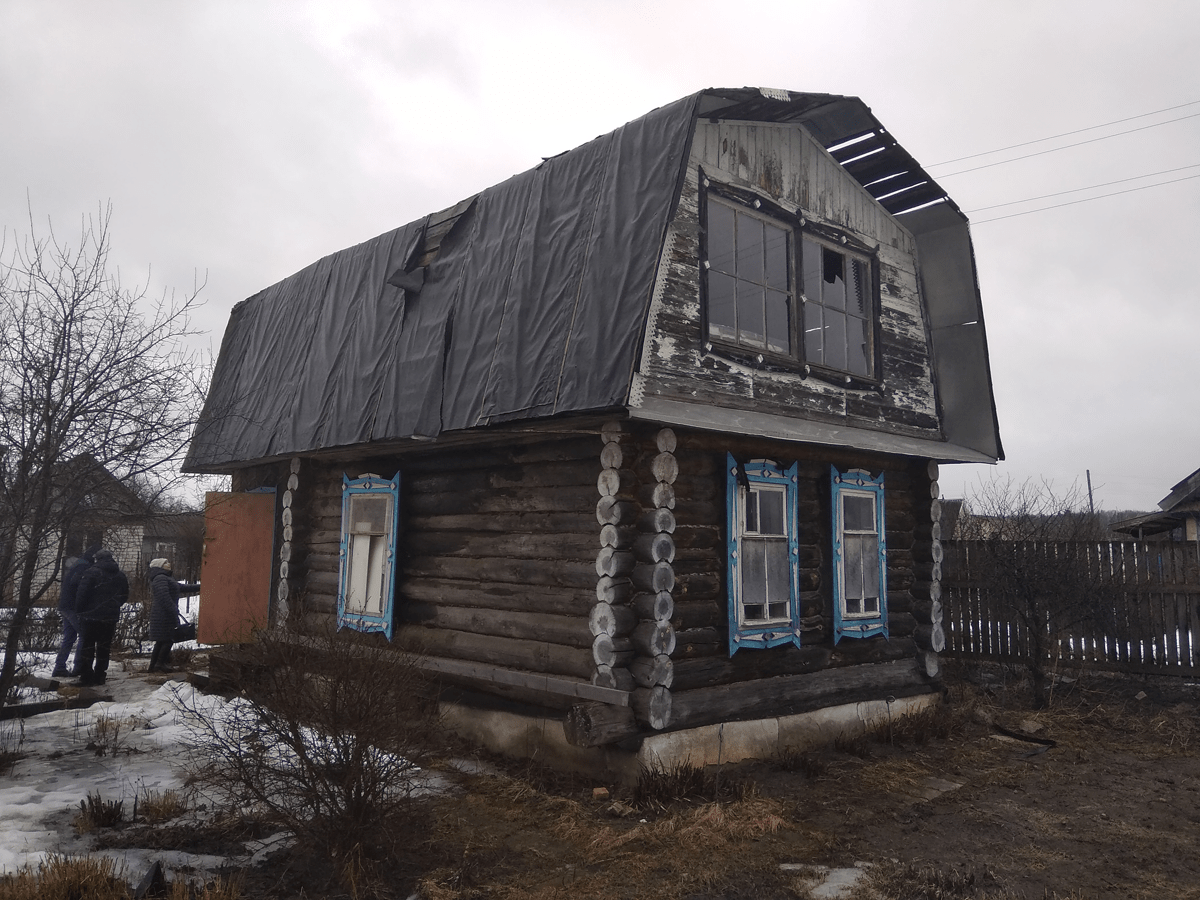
(165, 592)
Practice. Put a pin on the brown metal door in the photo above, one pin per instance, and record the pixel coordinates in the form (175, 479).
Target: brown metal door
(239, 538)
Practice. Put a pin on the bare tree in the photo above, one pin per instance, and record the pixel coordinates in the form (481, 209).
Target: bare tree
(322, 740)
(1036, 552)
(96, 385)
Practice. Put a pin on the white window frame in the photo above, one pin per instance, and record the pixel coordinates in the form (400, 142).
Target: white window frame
(847, 622)
(743, 481)
(367, 556)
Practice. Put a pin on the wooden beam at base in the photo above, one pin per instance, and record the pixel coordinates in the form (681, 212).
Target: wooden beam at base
(491, 674)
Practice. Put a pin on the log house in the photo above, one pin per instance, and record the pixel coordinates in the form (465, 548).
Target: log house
(637, 444)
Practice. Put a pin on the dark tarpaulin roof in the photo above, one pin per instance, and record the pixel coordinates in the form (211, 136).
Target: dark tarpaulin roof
(533, 303)
(533, 306)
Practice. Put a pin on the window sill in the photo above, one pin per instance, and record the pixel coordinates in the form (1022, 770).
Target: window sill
(775, 362)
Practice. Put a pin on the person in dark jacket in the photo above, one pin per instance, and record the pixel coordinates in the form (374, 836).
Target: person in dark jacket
(102, 591)
(165, 592)
(67, 591)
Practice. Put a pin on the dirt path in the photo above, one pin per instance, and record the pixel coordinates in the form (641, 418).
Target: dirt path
(1111, 810)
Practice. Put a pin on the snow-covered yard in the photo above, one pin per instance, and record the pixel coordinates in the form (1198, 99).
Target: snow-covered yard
(60, 766)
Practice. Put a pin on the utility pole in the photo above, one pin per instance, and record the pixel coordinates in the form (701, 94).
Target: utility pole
(1091, 505)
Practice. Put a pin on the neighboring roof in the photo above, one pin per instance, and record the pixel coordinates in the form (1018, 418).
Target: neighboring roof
(1148, 524)
(1177, 507)
(1187, 491)
(529, 299)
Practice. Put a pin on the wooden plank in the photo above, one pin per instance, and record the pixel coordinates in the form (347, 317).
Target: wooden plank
(789, 694)
(485, 674)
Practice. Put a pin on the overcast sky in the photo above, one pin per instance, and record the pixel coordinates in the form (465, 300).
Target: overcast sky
(240, 141)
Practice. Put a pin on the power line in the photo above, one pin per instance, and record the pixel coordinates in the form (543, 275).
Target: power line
(1064, 134)
(1089, 188)
(1085, 200)
(1066, 147)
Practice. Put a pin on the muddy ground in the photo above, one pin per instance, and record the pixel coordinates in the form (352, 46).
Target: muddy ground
(1096, 797)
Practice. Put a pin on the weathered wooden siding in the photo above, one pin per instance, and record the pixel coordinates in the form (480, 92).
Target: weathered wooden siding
(599, 559)
(495, 553)
(667, 614)
(788, 166)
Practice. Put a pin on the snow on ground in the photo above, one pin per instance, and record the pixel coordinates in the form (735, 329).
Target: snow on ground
(40, 798)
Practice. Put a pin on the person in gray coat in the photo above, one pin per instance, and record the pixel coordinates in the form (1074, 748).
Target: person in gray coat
(165, 592)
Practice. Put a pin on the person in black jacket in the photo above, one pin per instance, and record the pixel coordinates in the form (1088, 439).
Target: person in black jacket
(102, 591)
(165, 592)
(72, 575)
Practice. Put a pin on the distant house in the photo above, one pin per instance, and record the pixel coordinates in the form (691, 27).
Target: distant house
(639, 448)
(1178, 518)
(110, 514)
(106, 513)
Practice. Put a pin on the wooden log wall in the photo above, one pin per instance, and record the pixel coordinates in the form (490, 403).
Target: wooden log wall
(290, 550)
(599, 559)
(493, 557)
(771, 682)
(633, 637)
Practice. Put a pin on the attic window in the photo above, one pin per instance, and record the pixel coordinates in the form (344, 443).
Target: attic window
(750, 295)
(839, 320)
(780, 291)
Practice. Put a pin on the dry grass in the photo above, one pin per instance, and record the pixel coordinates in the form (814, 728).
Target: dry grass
(67, 878)
(12, 736)
(96, 812)
(162, 806)
(221, 889)
(107, 734)
(897, 881)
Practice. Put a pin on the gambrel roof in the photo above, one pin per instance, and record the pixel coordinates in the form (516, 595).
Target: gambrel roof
(529, 299)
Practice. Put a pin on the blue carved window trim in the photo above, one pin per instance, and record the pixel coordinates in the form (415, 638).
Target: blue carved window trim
(859, 555)
(763, 611)
(367, 555)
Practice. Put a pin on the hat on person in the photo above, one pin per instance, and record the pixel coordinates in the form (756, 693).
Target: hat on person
(102, 555)
(160, 563)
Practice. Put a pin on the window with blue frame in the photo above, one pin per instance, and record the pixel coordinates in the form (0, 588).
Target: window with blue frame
(859, 556)
(367, 561)
(763, 554)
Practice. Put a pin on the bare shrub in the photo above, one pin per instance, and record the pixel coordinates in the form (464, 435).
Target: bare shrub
(1033, 551)
(322, 740)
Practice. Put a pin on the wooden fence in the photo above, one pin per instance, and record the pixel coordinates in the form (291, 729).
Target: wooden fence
(1145, 616)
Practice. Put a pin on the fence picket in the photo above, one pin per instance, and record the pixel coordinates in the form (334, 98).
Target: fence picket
(1149, 620)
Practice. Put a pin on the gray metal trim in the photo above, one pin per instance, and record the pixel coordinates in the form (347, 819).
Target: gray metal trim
(739, 421)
